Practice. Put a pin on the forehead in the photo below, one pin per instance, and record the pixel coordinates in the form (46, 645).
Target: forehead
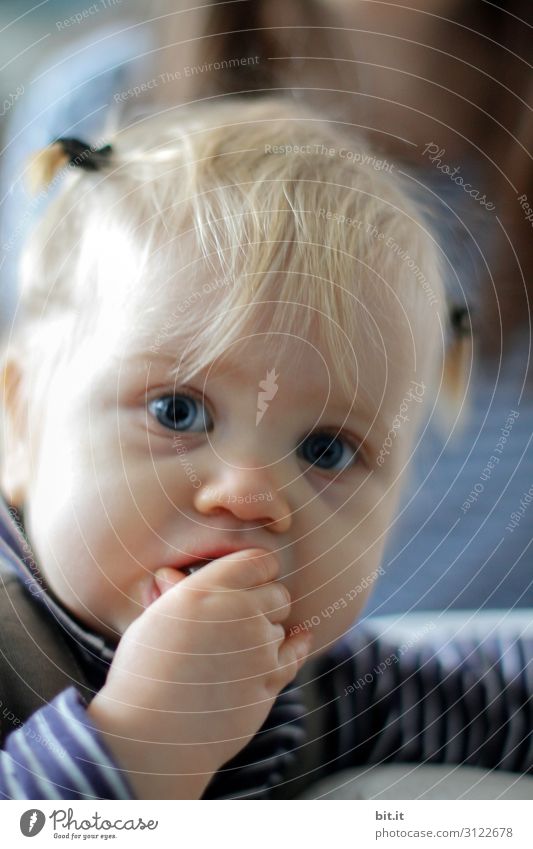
(158, 319)
(296, 370)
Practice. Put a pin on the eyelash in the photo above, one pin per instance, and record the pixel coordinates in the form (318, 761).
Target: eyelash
(152, 405)
(155, 405)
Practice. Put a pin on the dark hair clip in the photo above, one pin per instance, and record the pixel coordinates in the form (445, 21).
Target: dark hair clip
(82, 155)
(460, 320)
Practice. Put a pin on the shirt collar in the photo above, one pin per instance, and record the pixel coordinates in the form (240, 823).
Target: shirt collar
(16, 551)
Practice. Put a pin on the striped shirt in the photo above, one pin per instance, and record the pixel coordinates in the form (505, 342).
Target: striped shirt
(460, 701)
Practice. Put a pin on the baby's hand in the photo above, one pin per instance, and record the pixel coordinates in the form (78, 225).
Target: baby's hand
(196, 675)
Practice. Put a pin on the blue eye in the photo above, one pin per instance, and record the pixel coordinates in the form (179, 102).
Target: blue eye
(180, 412)
(328, 452)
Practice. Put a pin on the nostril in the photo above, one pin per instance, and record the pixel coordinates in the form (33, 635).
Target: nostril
(217, 511)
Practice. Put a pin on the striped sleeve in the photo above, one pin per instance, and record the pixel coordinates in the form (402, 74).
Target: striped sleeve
(457, 702)
(59, 754)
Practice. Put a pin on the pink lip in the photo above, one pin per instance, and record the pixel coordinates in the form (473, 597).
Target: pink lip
(196, 558)
(166, 576)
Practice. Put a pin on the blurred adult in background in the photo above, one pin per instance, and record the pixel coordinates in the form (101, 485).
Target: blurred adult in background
(445, 90)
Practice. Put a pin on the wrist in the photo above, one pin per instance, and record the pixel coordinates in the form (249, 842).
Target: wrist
(155, 770)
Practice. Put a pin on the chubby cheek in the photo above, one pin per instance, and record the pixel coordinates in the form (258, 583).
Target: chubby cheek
(328, 595)
(87, 536)
(69, 539)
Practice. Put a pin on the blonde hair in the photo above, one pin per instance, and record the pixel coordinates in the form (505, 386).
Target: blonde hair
(291, 208)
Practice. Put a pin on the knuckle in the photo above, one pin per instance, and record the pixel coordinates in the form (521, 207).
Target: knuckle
(203, 603)
(260, 572)
(269, 659)
(290, 661)
(267, 566)
(282, 670)
(213, 605)
(285, 594)
(274, 682)
(278, 634)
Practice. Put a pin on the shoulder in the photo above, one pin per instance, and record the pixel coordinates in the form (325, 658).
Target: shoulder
(36, 661)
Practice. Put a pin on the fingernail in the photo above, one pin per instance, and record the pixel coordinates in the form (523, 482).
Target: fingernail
(304, 646)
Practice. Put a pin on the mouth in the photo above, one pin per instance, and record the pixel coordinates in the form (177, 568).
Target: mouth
(193, 562)
(167, 576)
(190, 570)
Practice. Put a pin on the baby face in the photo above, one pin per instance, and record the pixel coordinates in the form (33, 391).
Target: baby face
(132, 472)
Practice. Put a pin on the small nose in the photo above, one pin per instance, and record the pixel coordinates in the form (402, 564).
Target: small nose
(248, 494)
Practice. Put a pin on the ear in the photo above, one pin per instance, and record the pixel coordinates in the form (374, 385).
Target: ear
(454, 406)
(14, 456)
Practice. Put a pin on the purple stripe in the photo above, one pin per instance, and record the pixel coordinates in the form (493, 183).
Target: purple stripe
(61, 757)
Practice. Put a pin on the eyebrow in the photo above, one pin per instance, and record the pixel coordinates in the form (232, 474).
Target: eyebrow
(360, 411)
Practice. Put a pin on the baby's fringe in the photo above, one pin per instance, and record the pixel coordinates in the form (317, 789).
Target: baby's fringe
(44, 165)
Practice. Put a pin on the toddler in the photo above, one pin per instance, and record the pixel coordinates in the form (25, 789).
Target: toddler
(231, 328)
